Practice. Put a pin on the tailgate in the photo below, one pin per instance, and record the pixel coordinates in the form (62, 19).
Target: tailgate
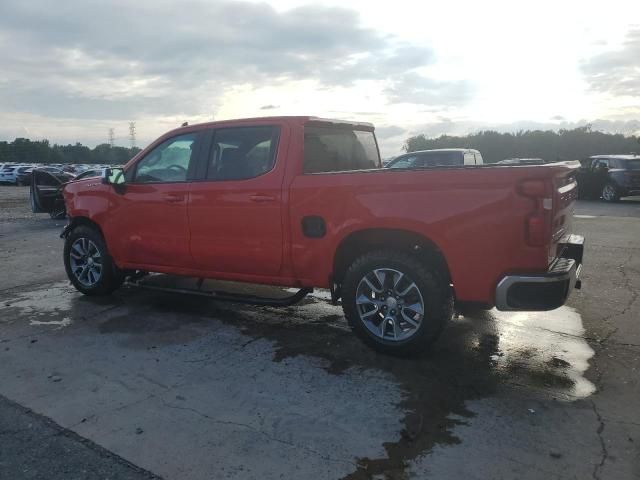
(565, 193)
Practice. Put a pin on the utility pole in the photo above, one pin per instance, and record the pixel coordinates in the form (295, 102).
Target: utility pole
(112, 136)
(132, 134)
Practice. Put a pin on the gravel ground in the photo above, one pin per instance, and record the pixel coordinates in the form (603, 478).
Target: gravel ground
(14, 204)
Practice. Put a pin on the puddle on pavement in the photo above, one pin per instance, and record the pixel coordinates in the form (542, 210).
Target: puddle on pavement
(40, 305)
(478, 354)
(546, 350)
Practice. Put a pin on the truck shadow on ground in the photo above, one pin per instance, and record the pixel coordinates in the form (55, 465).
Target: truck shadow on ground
(477, 354)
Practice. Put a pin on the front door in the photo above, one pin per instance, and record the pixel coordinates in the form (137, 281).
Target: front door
(235, 211)
(148, 219)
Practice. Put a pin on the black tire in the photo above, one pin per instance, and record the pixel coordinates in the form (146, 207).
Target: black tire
(610, 193)
(110, 277)
(432, 284)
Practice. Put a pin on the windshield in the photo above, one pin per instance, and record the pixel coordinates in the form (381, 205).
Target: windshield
(428, 159)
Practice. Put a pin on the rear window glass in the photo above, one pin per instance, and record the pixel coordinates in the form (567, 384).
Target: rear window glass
(335, 149)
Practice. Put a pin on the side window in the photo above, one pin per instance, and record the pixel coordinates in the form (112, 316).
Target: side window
(442, 159)
(241, 153)
(168, 162)
(336, 149)
(601, 164)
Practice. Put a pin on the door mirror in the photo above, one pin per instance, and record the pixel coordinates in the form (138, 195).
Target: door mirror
(113, 176)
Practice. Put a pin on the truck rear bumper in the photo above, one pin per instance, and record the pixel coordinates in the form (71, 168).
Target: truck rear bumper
(545, 291)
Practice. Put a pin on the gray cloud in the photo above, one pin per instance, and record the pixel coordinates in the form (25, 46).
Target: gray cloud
(121, 59)
(389, 131)
(412, 87)
(616, 72)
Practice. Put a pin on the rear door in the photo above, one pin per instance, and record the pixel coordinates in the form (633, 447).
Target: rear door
(599, 176)
(235, 209)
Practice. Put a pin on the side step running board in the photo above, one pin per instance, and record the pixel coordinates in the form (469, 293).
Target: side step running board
(227, 296)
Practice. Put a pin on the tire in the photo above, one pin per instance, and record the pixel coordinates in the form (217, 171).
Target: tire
(369, 312)
(610, 193)
(99, 276)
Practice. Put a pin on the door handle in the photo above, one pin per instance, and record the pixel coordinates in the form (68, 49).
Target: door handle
(262, 198)
(174, 198)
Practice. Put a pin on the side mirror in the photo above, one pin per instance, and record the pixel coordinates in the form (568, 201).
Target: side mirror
(113, 176)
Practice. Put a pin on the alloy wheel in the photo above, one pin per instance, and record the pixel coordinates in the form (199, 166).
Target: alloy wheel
(85, 261)
(608, 193)
(390, 304)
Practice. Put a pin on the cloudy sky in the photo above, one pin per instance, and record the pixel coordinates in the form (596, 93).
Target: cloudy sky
(70, 70)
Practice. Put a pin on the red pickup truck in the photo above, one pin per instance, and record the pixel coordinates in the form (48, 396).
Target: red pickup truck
(303, 202)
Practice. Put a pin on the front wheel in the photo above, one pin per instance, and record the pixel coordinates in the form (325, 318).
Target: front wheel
(396, 303)
(610, 193)
(88, 263)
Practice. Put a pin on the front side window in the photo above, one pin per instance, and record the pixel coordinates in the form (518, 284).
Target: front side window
(241, 153)
(168, 162)
(335, 149)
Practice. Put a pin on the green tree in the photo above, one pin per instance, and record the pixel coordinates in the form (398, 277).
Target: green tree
(564, 144)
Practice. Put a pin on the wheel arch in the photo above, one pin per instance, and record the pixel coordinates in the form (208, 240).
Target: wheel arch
(83, 221)
(362, 241)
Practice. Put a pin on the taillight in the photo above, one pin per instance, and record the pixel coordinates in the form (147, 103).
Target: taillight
(538, 226)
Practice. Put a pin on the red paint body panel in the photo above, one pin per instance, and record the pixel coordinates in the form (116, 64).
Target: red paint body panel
(250, 230)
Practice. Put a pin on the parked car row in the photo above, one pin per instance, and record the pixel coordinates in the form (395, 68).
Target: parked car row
(20, 174)
(608, 177)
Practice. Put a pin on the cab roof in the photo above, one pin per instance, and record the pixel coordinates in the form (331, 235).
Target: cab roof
(299, 119)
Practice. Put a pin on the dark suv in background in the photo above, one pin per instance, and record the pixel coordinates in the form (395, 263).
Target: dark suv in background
(609, 177)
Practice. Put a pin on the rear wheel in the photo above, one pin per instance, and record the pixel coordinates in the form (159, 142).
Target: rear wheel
(88, 263)
(610, 193)
(395, 303)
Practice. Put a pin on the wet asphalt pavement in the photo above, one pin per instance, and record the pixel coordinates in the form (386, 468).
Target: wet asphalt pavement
(145, 383)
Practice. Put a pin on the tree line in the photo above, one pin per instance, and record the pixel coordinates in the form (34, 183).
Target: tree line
(23, 150)
(549, 145)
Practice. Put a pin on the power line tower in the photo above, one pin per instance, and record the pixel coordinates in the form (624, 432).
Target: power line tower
(132, 134)
(112, 136)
